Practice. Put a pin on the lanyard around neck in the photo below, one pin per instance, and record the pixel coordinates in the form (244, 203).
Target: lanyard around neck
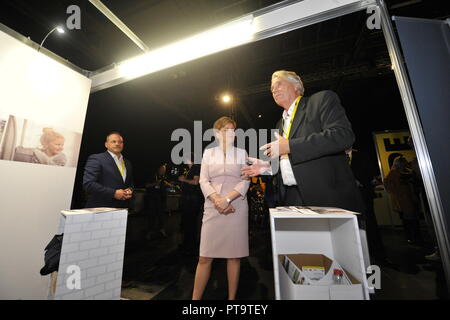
(288, 131)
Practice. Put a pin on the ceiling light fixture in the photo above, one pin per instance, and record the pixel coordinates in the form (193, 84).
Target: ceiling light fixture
(58, 28)
(217, 39)
(226, 98)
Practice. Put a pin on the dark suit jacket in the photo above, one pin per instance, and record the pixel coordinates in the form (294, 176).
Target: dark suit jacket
(102, 178)
(319, 135)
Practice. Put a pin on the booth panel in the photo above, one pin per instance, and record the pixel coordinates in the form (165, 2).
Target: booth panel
(347, 247)
(38, 95)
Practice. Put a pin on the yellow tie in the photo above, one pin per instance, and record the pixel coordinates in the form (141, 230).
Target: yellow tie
(122, 167)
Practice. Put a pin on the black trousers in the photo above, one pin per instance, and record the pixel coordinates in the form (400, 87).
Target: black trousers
(156, 211)
(412, 230)
(191, 204)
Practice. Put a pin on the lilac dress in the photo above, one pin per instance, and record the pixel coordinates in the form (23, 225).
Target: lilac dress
(224, 236)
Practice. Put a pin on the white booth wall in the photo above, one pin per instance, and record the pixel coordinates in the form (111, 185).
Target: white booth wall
(36, 92)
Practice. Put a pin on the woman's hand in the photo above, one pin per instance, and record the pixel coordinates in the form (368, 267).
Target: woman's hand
(228, 210)
(220, 203)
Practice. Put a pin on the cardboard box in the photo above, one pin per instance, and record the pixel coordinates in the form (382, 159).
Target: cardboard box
(290, 269)
(316, 268)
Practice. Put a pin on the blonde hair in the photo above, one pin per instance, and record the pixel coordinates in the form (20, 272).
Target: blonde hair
(48, 135)
(222, 122)
(291, 77)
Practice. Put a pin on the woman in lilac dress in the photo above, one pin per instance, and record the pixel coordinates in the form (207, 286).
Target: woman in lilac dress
(225, 219)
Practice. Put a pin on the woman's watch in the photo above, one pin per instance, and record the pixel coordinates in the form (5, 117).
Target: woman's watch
(228, 200)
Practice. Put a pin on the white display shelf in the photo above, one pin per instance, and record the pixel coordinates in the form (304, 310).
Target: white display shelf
(335, 235)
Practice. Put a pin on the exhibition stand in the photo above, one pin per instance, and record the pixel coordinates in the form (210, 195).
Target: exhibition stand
(43, 92)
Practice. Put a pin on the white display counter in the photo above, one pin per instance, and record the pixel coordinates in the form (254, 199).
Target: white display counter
(335, 235)
(93, 244)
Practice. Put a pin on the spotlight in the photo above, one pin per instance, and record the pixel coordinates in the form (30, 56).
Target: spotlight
(58, 28)
(226, 98)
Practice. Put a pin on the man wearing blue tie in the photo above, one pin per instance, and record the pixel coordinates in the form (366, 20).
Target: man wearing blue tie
(108, 178)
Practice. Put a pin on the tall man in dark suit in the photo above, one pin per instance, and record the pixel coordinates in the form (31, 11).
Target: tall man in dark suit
(314, 135)
(108, 176)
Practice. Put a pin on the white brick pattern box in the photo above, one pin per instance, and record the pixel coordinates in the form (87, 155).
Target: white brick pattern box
(93, 244)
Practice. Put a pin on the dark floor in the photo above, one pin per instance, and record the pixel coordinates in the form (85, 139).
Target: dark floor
(156, 269)
(412, 277)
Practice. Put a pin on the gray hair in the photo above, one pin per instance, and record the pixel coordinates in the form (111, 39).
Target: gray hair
(291, 77)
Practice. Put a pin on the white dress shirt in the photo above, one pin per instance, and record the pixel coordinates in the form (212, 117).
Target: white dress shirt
(119, 160)
(285, 164)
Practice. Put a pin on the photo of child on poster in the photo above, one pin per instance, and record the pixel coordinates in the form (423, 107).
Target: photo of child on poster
(50, 152)
(27, 141)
